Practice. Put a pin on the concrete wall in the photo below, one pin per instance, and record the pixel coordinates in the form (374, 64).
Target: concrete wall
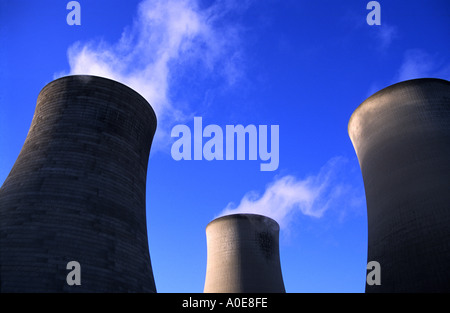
(77, 192)
(401, 136)
(243, 255)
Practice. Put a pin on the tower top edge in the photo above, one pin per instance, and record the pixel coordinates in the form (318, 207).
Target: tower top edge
(245, 216)
(90, 79)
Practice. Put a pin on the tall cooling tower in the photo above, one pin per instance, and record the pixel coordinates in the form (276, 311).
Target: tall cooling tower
(77, 192)
(401, 136)
(243, 255)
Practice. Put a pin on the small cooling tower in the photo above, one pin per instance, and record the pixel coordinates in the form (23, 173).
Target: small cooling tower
(401, 136)
(77, 192)
(243, 255)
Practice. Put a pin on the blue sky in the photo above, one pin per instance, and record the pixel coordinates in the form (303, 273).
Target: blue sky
(302, 65)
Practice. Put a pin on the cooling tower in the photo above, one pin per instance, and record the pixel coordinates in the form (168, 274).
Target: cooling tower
(401, 136)
(77, 192)
(243, 255)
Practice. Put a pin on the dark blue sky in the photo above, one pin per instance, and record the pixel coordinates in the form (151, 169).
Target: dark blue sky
(302, 65)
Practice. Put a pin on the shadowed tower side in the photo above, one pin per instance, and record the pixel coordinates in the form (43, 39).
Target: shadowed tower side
(243, 255)
(401, 136)
(77, 192)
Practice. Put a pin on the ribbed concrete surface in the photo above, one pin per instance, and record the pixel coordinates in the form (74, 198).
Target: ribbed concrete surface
(243, 255)
(401, 135)
(77, 192)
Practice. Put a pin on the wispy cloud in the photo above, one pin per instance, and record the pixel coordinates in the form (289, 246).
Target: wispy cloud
(386, 34)
(418, 63)
(165, 35)
(311, 196)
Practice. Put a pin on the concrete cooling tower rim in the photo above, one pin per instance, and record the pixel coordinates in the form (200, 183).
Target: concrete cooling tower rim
(247, 216)
(87, 78)
(406, 83)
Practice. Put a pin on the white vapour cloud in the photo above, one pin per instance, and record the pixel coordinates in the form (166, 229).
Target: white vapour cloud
(311, 196)
(164, 34)
(418, 63)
